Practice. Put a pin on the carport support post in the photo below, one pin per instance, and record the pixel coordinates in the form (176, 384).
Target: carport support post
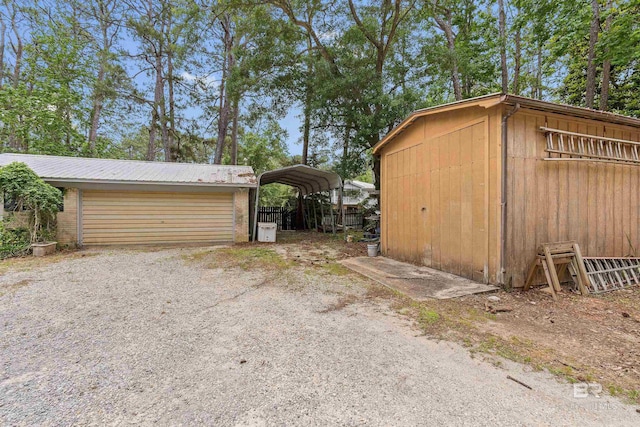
(315, 214)
(341, 207)
(308, 211)
(322, 213)
(333, 222)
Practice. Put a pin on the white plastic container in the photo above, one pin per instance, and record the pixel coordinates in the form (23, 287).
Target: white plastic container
(267, 231)
(372, 249)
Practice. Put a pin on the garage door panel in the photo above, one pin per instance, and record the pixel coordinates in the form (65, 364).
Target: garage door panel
(160, 239)
(154, 210)
(147, 231)
(158, 202)
(143, 223)
(113, 218)
(138, 195)
(160, 215)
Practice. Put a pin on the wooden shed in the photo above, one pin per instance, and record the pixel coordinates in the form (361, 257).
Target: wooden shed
(474, 187)
(126, 202)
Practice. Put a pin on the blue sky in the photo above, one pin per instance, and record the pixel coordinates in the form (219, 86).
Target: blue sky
(292, 123)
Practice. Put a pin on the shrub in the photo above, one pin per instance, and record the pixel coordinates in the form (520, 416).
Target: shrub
(14, 241)
(29, 192)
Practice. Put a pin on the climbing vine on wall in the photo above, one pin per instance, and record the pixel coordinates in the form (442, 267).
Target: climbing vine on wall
(29, 194)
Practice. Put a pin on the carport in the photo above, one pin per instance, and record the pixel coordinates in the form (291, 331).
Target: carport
(307, 180)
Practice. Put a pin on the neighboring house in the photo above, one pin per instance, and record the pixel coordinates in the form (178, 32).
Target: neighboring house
(474, 187)
(355, 194)
(122, 202)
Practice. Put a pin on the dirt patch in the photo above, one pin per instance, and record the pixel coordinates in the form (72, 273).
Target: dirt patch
(13, 287)
(584, 338)
(308, 248)
(591, 339)
(342, 302)
(29, 262)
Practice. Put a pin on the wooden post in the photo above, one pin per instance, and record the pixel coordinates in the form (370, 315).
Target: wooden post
(552, 269)
(581, 270)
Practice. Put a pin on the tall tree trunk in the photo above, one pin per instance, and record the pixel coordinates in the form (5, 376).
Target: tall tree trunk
(590, 91)
(3, 30)
(162, 107)
(503, 46)
(225, 107)
(14, 141)
(606, 65)
(170, 155)
(517, 61)
(306, 127)
(102, 13)
(169, 123)
(151, 146)
(98, 99)
(234, 133)
(446, 27)
(156, 114)
(345, 145)
(17, 51)
(538, 86)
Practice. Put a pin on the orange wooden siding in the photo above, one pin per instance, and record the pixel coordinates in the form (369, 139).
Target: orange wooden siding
(594, 203)
(439, 196)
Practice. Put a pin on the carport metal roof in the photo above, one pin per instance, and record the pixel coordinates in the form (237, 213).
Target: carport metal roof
(305, 178)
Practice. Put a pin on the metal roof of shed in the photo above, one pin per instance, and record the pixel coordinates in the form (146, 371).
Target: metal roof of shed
(108, 171)
(491, 100)
(306, 179)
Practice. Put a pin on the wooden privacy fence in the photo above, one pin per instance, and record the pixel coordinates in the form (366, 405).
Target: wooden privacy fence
(354, 220)
(286, 219)
(283, 217)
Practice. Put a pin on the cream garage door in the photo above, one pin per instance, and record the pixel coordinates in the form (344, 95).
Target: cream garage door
(120, 218)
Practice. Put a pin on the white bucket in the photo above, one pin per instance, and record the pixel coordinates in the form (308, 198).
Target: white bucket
(372, 249)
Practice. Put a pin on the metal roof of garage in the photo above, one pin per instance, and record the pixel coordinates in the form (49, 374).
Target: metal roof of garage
(70, 170)
(306, 179)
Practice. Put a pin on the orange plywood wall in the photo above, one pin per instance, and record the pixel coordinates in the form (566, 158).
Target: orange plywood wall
(594, 203)
(440, 193)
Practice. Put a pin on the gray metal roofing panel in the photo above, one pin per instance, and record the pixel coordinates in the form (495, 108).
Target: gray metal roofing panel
(132, 171)
(308, 180)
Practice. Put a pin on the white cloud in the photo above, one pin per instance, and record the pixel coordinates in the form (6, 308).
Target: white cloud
(328, 36)
(206, 82)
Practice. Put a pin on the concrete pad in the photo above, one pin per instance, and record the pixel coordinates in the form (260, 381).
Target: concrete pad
(418, 283)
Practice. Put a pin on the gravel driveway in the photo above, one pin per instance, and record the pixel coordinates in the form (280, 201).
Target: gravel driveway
(123, 337)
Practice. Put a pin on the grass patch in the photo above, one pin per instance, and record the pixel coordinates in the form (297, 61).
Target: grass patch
(244, 257)
(248, 258)
(197, 256)
(428, 317)
(336, 269)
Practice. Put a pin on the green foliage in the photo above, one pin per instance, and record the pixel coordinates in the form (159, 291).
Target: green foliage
(30, 193)
(352, 72)
(13, 241)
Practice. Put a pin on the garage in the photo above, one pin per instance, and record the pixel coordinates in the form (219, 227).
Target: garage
(131, 202)
(128, 217)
